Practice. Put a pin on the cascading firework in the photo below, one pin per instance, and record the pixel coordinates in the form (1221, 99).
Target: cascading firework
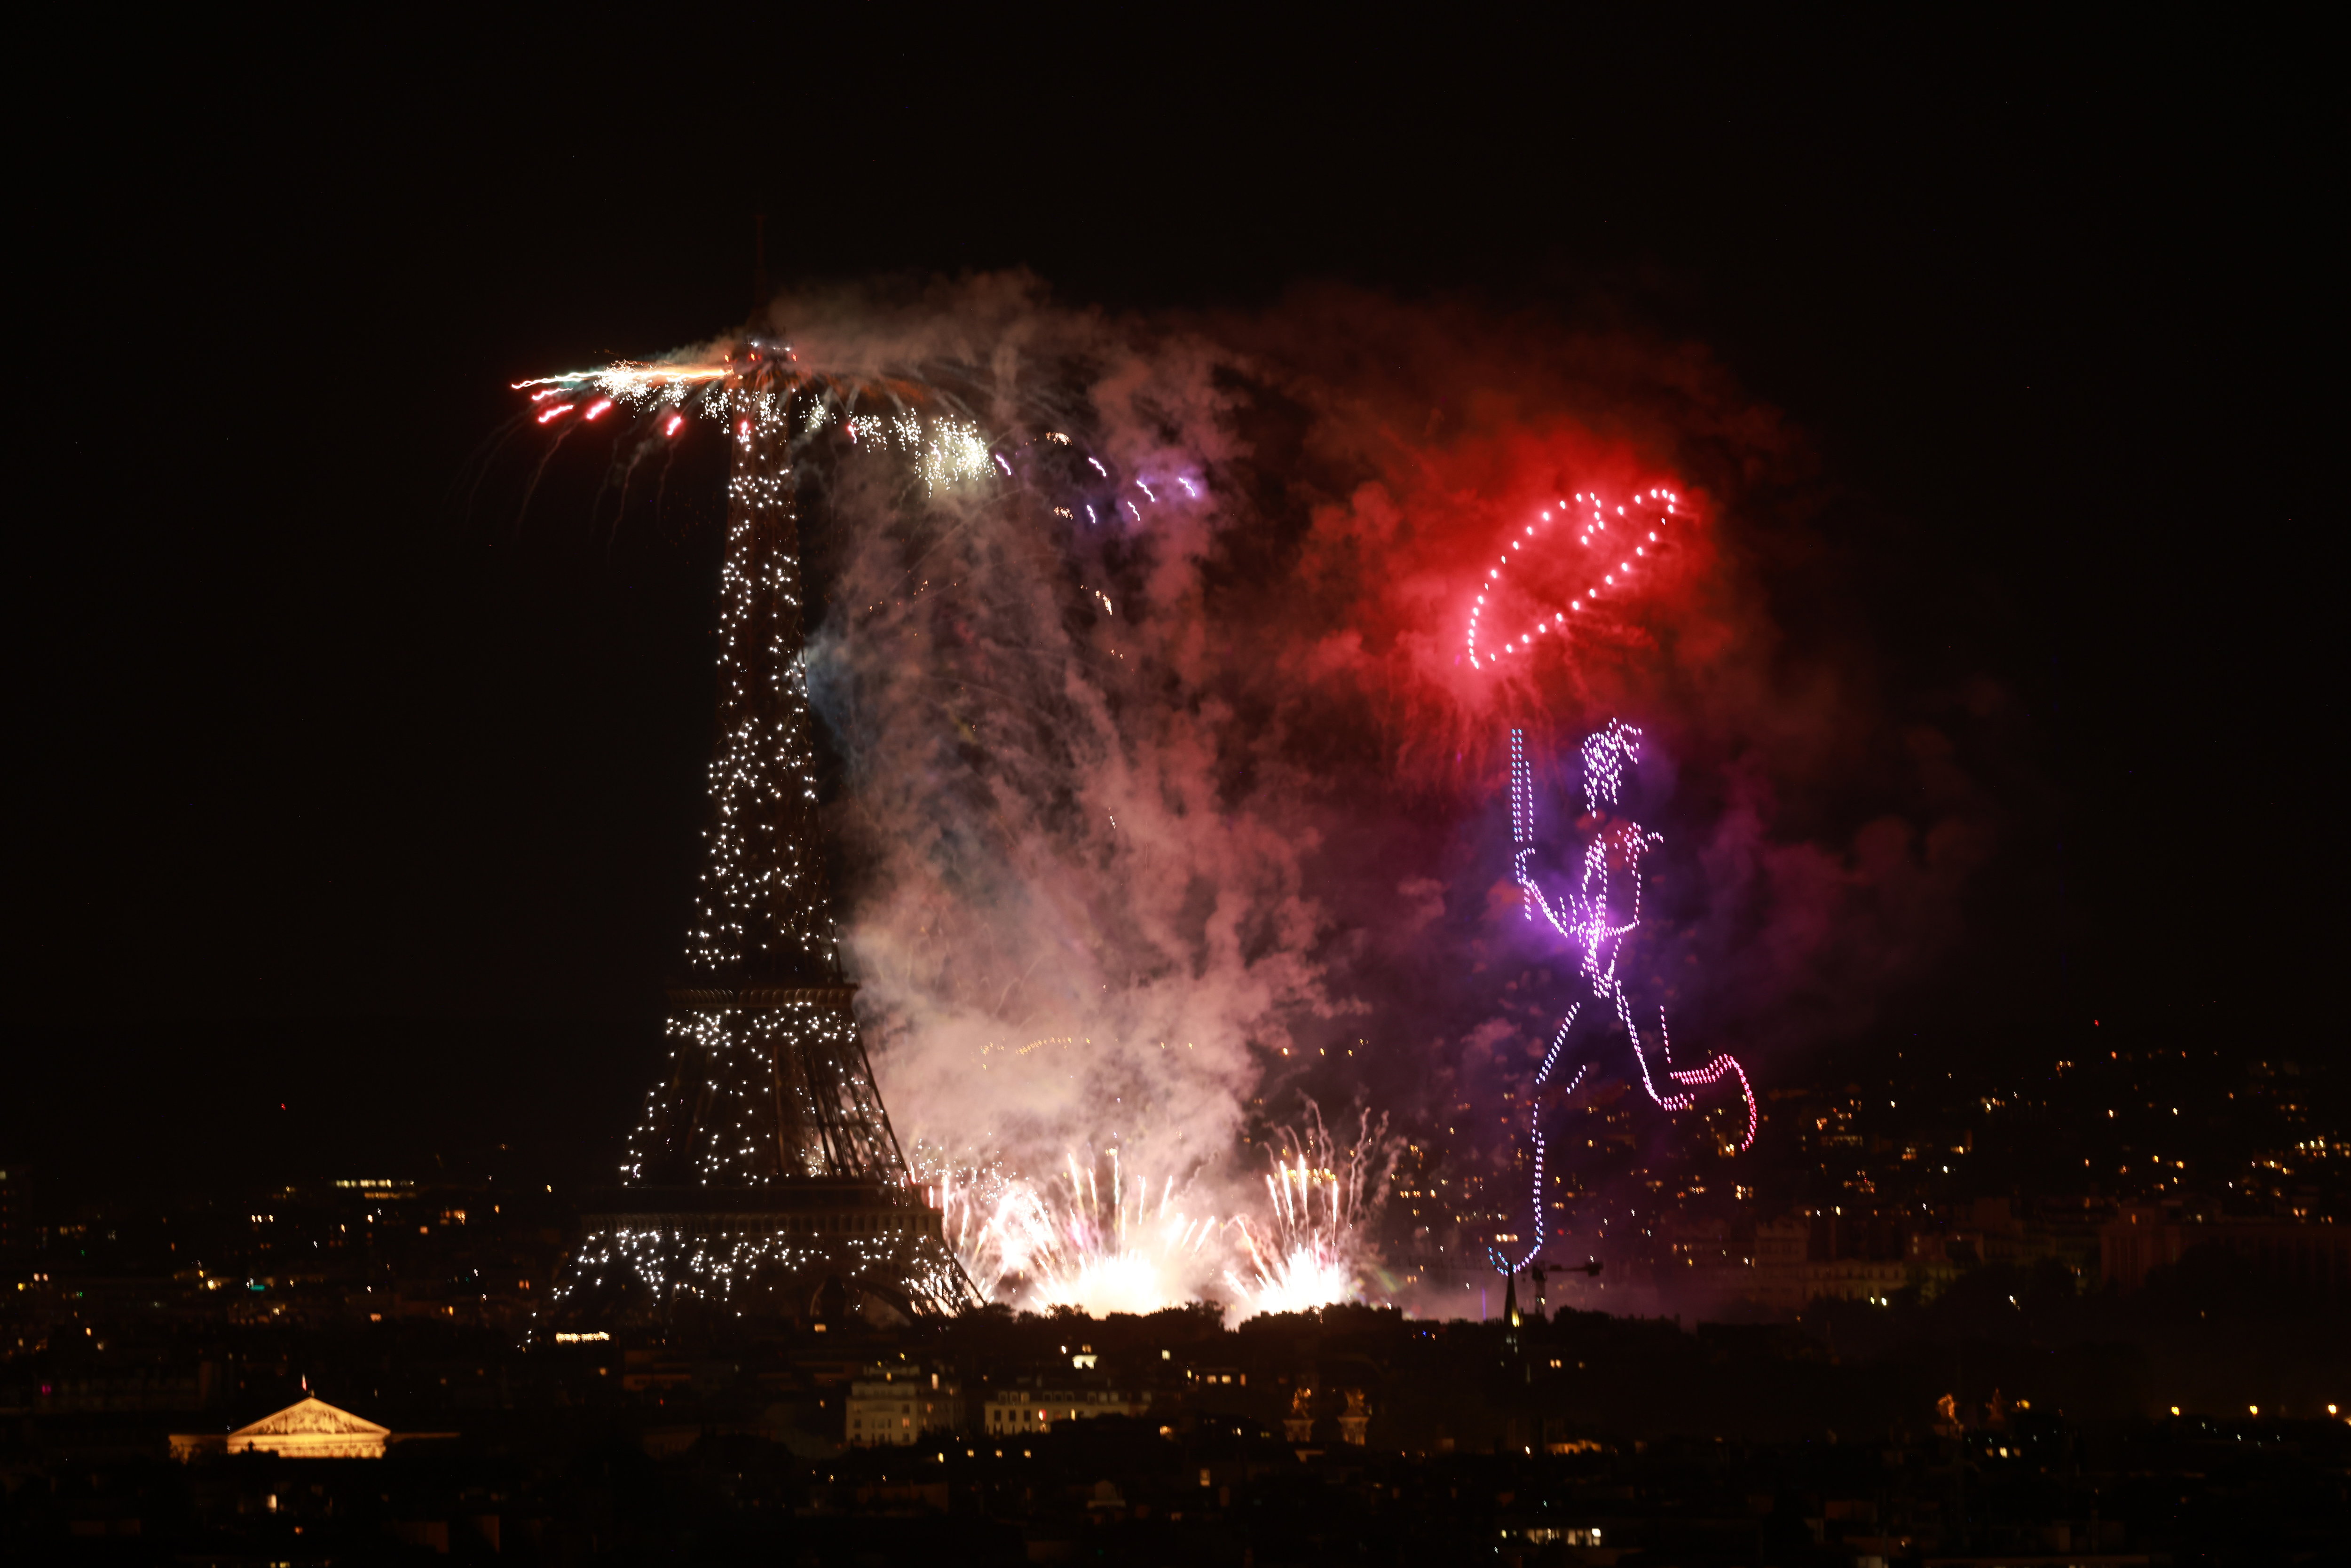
(1081, 1240)
(1313, 1246)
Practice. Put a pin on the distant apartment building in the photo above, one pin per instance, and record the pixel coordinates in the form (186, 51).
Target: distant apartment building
(2305, 1256)
(1817, 1255)
(894, 1405)
(1857, 1280)
(1015, 1412)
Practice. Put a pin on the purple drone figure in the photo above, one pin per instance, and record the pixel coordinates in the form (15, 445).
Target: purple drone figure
(1596, 916)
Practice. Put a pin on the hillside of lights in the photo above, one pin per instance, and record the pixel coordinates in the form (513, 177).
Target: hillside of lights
(1095, 1233)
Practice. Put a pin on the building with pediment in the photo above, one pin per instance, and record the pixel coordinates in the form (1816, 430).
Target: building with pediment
(312, 1429)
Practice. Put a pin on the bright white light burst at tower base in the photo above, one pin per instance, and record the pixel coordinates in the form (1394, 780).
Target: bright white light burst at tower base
(1089, 1239)
(1079, 1241)
(1312, 1251)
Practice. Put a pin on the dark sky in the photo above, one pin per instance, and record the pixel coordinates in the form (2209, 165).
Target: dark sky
(340, 795)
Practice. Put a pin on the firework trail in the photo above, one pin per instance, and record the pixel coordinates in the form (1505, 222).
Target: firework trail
(1313, 1246)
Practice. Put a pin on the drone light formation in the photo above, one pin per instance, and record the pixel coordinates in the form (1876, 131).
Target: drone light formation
(1613, 549)
(1595, 917)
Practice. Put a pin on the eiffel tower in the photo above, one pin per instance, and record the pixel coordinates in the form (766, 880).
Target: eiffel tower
(764, 1177)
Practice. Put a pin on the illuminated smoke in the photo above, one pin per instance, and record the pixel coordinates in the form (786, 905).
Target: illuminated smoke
(1165, 664)
(1070, 931)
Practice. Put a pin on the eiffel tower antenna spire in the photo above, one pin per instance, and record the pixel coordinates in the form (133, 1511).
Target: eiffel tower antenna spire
(760, 288)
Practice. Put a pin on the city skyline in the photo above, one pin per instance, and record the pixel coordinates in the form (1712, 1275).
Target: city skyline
(1563, 740)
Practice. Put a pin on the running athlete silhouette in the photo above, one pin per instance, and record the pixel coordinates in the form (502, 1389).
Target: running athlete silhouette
(1596, 916)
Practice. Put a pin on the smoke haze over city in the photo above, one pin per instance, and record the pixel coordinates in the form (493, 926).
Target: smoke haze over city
(1167, 817)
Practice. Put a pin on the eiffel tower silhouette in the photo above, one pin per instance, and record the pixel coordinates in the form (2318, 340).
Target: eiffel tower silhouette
(765, 1176)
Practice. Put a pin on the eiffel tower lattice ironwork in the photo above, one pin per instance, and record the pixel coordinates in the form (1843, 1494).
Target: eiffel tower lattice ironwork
(764, 1173)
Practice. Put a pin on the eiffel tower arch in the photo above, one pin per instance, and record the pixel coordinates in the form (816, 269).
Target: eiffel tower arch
(765, 1176)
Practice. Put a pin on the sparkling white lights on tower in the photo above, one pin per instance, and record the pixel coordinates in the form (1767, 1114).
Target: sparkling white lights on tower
(1092, 1236)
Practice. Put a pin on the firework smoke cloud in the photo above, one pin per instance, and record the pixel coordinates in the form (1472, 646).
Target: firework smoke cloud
(1175, 788)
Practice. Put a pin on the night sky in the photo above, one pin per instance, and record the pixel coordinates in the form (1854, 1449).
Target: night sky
(345, 791)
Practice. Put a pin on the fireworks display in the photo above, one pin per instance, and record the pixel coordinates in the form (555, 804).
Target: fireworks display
(1085, 679)
(1281, 792)
(1086, 1238)
(1310, 1247)
(1082, 1238)
(1089, 1235)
